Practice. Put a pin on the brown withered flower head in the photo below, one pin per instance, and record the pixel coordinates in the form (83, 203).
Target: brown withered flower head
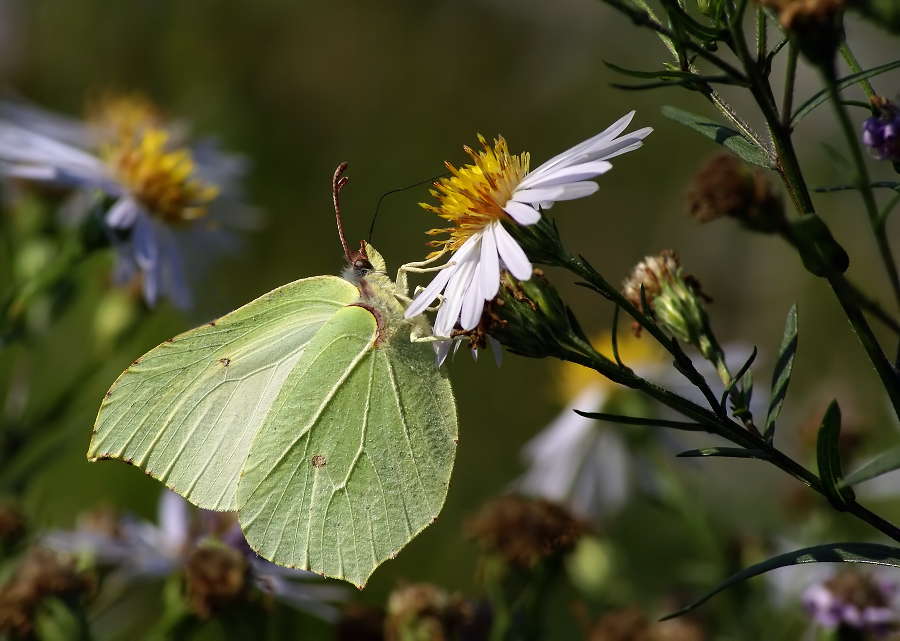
(215, 576)
(522, 531)
(725, 186)
(425, 611)
(815, 25)
(43, 574)
(631, 624)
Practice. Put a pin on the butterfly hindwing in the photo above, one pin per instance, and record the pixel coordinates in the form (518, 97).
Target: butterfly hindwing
(355, 455)
(188, 410)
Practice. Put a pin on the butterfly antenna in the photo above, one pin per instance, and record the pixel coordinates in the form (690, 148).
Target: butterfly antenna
(394, 191)
(337, 183)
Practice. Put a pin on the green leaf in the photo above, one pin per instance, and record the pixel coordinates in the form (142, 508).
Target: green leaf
(737, 377)
(843, 83)
(882, 464)
(873, 553)
(829, 459)
(685, 81)
(840, 162)
(663, 73)
(646, 422)
(724, 452)
(781, 377)
(309, 411)
(728, 138)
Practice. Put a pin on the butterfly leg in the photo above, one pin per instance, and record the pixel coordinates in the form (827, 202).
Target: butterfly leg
(402, 283)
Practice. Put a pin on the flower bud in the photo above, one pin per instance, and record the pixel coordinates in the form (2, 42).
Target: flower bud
(881, 133)
(672, 297)
(724, 186)
(815, 25)
(530, 318)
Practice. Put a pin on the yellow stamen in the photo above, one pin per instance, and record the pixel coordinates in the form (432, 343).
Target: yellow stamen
(162, 180)
(124, 115)
(474, 195)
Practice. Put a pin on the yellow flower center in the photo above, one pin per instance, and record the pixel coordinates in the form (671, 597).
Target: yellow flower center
(124, 115)
(634, 352)
(475, 195)
(161, 179)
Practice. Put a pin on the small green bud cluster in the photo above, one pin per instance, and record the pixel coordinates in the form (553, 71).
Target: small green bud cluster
(672, 299)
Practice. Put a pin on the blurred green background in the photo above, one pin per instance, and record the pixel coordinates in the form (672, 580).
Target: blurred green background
(396, 88)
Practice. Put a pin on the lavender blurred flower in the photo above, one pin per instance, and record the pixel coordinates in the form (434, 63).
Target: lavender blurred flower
(172, 206)
(881, 133)
(854, 600)
(137, 551)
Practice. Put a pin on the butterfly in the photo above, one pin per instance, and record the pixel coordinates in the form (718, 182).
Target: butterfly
(315, 412)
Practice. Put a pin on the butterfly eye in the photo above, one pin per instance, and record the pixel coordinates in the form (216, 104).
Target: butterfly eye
(362, 267)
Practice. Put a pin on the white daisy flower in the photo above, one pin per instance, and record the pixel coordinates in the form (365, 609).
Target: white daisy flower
(497, 188)
(170, 204)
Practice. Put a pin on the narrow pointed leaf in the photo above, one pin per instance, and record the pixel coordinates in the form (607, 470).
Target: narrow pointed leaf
(873, 553)
(737, 377)
(646, 422)
(724, 452)
(728, 138)
(886, 462)
(884, 184)
(684, 81)
(829, 459)
(781, 377)
(843, 83)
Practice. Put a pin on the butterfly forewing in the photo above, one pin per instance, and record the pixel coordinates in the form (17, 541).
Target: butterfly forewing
(189, 409)
(355, 455)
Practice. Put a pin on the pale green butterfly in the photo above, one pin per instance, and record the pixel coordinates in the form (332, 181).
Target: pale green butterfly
(315, 411)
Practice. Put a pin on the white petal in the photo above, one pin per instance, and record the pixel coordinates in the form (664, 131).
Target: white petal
(591, 144)
(495, 348)
(522, 213)
(123, 213)
(430, 293)
(473, 301)
(144, 242)
(441, 350)
(569, 191)
(490, 263)
(574, 173)
(454, 295)
(513, 257)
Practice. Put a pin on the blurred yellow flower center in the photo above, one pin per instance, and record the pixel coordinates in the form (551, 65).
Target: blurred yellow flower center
(124, 115)
(634, 352)
(161, 179)
(475, 195)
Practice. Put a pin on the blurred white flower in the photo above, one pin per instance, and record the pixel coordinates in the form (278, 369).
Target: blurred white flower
(171, 206)
(497, 188)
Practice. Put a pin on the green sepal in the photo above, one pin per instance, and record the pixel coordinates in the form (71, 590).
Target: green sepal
(732, 140)
(784, 364)
(882, 464)
(873, 553)
(829, 459)
(818, 249)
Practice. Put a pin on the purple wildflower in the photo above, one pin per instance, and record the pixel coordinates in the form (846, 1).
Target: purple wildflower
(881, 134)
(853, 600)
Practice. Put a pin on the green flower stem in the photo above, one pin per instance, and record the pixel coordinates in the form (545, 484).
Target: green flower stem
(761, 44)
(862, 182)
(850, 59)
(789, 167)
(643, 18)
(787, 106)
